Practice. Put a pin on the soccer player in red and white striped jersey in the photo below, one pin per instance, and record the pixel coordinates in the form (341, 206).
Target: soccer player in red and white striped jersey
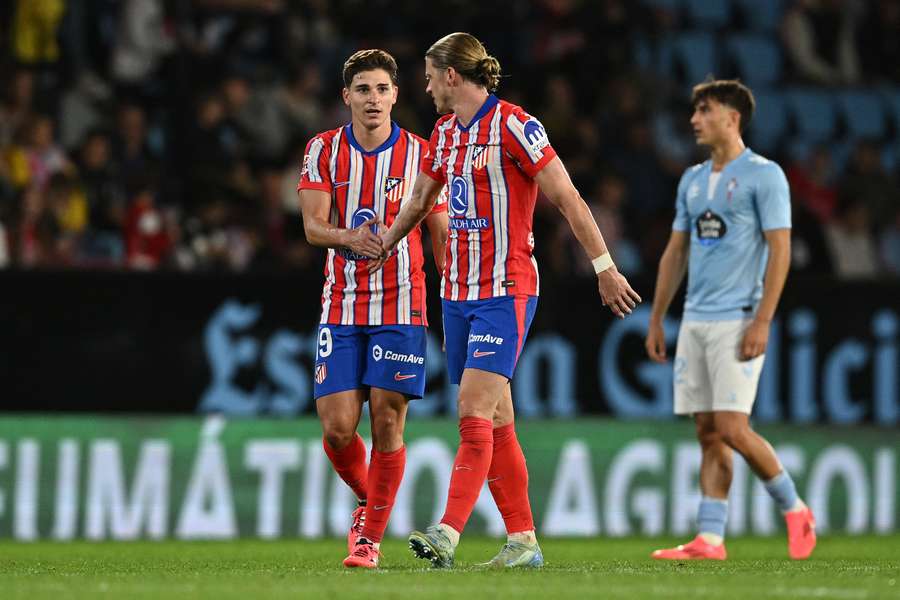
(492, 156)
(372, 331)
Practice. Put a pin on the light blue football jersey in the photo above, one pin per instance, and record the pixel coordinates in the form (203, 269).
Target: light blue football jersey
(728, 250)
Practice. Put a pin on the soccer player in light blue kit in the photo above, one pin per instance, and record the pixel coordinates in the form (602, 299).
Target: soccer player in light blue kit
(732, 234)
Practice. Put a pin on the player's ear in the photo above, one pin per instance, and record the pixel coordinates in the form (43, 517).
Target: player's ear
(396, 95)
(452, 76)
(345, 94)
(736, 119)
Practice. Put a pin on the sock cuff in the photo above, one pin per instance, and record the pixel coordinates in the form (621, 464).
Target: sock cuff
(398, 455)
(504, 434)
(775, 481)
(712, 516)
(476, 429)
(714, 501)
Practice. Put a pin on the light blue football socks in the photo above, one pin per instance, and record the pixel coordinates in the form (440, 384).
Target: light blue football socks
(784, 492)
(711, 518)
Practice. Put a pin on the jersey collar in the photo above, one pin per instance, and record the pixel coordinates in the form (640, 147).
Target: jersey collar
(392, 139)
(744, 153)
(490, 103)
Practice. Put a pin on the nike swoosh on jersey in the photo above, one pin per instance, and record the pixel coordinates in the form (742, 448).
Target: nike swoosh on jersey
(479, 353)
(341, 183)
(399, 377)
(382, 507)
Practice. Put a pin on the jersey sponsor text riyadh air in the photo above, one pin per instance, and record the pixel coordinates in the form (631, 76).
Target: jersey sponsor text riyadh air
(364, 185)
(489, 169)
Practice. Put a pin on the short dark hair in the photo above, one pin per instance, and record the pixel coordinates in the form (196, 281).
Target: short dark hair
(369, 60)
(730, 92)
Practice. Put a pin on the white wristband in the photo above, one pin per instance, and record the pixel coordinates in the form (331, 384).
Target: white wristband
(602, 263)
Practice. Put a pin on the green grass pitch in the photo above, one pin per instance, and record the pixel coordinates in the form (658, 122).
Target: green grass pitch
(842, 567)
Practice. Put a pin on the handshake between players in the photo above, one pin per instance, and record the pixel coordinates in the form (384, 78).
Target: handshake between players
(489, 158)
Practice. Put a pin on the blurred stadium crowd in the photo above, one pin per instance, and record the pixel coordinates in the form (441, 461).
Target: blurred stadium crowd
(167, 134)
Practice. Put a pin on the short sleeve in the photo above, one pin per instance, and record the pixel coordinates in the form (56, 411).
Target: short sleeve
(440, 205)
(773, 199)
(526, 141)
(431, 161)
(315, 173)
(682, 220)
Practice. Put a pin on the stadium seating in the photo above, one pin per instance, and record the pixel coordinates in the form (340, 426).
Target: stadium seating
(841, 151)
(761, 15)
(890, 157)
(863, 113)
(695, 52)
(769, 123)
(757, 57)
(788, 122)
(708, 13)
(671, 5)
(814, 113)
(891, 97)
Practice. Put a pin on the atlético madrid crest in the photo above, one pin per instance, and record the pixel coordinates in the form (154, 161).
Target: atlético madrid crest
(321, 372)
(393, 188)
(481, 155)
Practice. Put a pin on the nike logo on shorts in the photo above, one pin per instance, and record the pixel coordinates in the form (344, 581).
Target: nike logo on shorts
(382, 507)
(479, 353)
(399, 377)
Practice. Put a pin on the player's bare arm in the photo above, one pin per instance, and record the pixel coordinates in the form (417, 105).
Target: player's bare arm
(672, 268)
(437, 224)
(315, 206)
(421, 201)
(756, 338)
(555, 183)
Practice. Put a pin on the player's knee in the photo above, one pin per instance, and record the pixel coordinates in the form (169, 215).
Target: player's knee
(338, 437)
(709, 439)
(704, 426)
(476, 403)
(733, 435)
(386, 424)
(387, 432)
(474, 409)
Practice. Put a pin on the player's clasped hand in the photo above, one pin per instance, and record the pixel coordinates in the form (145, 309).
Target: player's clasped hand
(374, 265)
(616, 293)
(362, 240)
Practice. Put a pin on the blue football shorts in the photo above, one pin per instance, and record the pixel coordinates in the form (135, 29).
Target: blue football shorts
(486, 334)
(353, 357)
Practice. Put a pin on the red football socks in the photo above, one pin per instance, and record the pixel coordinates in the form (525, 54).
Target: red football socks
(473, 459)
(508, 480)
(385, 475)
(350, 463)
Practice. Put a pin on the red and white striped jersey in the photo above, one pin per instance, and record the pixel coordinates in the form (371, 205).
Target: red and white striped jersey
(489, 169)
(365, 185)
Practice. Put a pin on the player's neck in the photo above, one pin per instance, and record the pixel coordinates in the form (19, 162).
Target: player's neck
(724, 153)
(468, 104)
(370, 139)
